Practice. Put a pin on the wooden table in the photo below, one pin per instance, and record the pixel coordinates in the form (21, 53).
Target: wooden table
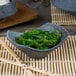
(36, 23)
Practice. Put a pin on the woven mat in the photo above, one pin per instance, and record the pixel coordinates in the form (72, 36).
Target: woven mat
(62, 17)
(61, 62)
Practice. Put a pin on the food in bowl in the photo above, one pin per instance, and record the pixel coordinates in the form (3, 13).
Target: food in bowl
(39, 39)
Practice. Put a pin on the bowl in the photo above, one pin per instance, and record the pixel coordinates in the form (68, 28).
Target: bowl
(67, 5)
(8, 9)
(36, 53)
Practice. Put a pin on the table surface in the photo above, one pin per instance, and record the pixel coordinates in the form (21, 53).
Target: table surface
(45, 17)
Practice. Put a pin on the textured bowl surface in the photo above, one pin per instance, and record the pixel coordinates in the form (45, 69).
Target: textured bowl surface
(8, 9)
(35, 52)
(68, 5)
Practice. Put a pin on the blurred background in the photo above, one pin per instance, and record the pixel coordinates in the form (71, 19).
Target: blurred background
(40, 6)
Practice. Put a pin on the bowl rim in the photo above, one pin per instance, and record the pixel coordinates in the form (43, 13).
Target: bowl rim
(38, 50)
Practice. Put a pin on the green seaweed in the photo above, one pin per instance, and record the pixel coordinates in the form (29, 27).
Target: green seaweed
(39, 39)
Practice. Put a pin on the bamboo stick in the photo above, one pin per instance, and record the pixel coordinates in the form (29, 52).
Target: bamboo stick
(19, 62)
(10, 62)
(9, 50)
(25, 67)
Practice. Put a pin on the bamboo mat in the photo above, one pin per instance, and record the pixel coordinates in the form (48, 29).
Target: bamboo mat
(61, 62)
(62, 17)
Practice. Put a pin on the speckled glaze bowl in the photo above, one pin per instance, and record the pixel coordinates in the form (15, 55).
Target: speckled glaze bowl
(36, 53)
(8, 9)
(67, 5)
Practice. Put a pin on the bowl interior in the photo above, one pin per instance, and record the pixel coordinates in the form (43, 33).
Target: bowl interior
(46, 27)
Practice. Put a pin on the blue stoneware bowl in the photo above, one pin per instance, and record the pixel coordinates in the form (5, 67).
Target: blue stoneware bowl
(32, 52)
(8, 9)
(68, 5)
